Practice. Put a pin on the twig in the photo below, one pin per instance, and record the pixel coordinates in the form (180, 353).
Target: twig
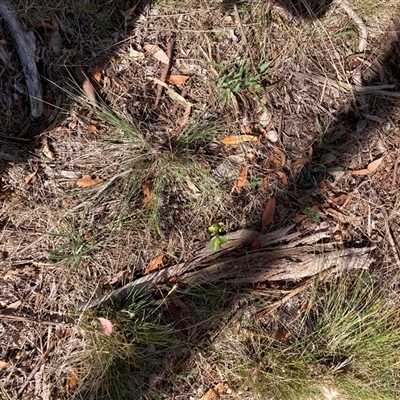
(170, 49)
(293, 293)
(396, 165)
(25, 43)
(26, 319)
(363, 30)
(36, 367)
(77, 207)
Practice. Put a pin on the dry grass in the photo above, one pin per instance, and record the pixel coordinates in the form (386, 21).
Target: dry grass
(62, 244)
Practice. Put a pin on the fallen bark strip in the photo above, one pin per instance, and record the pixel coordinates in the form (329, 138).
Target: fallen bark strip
(25, 43)
(266, 264)
(292, 265)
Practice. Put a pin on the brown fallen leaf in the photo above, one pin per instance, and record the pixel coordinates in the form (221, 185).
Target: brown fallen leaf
(83, 79)
(342, 199)
(72, 379)
(61, 129)
(215, 392)
(3, 365)
(47, 150)
(282, 336)
(299, 163)
(177, 79)
(280, 154)
(238, 139)
(147, 194)
(155, 263)
(268, 214)
(31, 178)
(370, 169)
(300, 218)
(256, 243)
(282, 176)
(106, 326)
(98, 70)
(242, 181)
(157, 53)
(87, 181)
(93, 129)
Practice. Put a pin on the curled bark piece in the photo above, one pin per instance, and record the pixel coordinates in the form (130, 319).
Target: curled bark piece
(363, 30)
(25, 43)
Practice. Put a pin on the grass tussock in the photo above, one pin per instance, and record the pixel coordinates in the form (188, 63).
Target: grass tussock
(127, 363)
(166, 171)
(346, 343)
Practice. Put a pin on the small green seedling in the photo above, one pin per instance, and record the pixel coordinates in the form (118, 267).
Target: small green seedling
(217, 235)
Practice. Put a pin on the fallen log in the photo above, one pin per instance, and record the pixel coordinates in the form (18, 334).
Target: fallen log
(25, 43)
(291, 261)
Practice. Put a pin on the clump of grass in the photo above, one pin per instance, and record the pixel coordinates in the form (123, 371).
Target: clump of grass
(174, 168)
(76, 244)
(347, 341)
(125, 363)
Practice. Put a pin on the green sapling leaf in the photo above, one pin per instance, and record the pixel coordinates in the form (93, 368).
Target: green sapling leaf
(215, 243)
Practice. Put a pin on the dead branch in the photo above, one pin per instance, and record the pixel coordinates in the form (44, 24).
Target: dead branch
(164, 74)
(238, 267)
(25, 43)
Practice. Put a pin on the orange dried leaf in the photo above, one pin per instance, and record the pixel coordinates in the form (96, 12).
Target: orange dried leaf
(265, 181)
(375, 164)
(31, 177)
(299, 163)
(342, 199)
(237, 139)
(256, 244)
(282, 176)
(300, 218)
(215, 392)
(98, 70)
(3, 365)
(280, 154)
(157, 53)
(88, 181)
(61, 129)
(106, 326)
(268, 214)
(242, 179)
(147, 194)
(370, 169)
(283, 336)
(72, 380)
(155, 263)
(361, 172)
(177, 79)
(93, 129)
